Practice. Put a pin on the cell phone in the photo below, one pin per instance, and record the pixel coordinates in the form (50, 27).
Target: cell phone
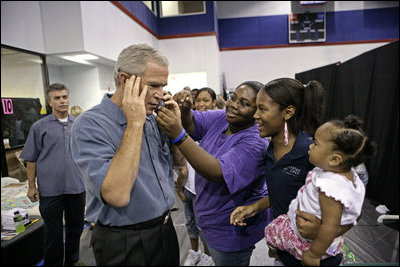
(159, 104)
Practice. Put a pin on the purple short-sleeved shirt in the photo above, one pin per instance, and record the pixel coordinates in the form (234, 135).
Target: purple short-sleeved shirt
(242, 158)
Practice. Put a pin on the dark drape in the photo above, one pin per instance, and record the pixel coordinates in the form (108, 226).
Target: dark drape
(368, 86)
(326, 75)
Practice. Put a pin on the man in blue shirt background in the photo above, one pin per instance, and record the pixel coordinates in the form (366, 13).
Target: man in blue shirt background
(59, 188)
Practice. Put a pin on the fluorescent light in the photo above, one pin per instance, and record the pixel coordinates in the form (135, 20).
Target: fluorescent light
(76, 59)
(87, 56)
(81, 58)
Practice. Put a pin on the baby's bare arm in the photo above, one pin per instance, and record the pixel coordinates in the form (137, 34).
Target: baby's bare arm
(331, 214)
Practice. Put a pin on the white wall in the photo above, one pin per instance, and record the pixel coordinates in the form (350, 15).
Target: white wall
(106, 78)
(193, 54)
(21, 78)
(107, 30)
(21, 25)
(62, 26)
(55, 74)
(83, 84)
(264, 65)
(87, 84)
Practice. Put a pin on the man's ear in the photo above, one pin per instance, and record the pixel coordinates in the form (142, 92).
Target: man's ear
(49, 102)
(336, 159)
(122, 79)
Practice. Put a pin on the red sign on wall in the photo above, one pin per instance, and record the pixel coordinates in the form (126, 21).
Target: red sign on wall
(7, 106)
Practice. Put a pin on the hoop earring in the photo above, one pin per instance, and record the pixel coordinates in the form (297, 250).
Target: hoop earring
(286, 134)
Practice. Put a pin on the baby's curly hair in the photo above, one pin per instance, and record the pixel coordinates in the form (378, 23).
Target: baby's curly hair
(350, 139)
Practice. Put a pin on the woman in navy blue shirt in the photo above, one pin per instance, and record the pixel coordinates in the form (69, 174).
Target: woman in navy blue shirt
(288, 112)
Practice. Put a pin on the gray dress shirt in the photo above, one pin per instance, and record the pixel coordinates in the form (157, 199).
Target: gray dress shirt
(96, 136)
(47, 145)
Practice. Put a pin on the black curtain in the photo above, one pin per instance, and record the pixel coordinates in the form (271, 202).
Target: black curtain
(326, 75)
(368, 86)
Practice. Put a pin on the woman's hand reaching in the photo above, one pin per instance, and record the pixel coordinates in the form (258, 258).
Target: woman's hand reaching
(184, 100)
(241, 213)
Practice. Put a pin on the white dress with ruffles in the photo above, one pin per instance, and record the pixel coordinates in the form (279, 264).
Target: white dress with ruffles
(282, 232)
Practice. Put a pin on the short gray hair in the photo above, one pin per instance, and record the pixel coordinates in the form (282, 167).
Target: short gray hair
(55, 87)
(134, 58)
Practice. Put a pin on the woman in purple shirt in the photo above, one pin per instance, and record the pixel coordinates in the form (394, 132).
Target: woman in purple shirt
(229, 165)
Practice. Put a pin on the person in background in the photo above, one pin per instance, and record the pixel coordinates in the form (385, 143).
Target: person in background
(205, 99)
(59, 187)
(185, 188)
(362, 172)
(333, 192)
(227, 171)
(76, 111)
(220, 102)
(289, 112)
(126, 163)
(194, 94)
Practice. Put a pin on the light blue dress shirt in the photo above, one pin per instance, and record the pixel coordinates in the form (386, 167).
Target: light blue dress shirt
(95, 138)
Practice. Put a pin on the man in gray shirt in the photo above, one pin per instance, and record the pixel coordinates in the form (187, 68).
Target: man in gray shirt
(126, 163)
(60, 189)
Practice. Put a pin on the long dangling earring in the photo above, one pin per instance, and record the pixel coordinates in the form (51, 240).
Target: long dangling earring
(286, 135)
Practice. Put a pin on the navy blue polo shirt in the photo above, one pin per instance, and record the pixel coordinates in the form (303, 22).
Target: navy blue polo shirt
(288, 175)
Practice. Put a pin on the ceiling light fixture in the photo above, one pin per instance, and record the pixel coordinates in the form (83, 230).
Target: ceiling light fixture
(81, 58)
(87, 57)
(76, 59)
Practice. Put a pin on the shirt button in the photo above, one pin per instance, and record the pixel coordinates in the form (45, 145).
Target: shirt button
(159, 177)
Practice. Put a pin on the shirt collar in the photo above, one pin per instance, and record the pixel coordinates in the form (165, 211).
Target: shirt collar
(301, 145)
(53, 117)
(112, 109)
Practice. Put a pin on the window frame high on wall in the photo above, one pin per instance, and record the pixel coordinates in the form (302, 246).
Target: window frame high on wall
(44, 68)
(180, 8)
(152, 6)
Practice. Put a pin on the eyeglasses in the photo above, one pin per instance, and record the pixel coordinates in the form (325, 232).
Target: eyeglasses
(232, 98)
